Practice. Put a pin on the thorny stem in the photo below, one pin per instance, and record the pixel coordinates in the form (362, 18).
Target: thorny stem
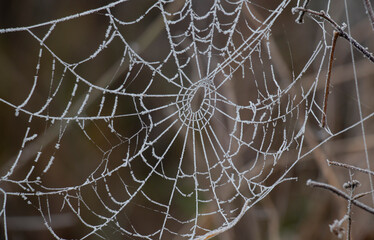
(341, 194)
(327, 87)
(369, 11)
(339, 29)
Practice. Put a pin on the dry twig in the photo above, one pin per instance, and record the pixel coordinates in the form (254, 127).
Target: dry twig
(339, 29)
(350, 167)
(341, 194)
(327, 87)
(369, 11)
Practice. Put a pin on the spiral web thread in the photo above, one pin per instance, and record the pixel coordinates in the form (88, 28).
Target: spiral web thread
(180, 153)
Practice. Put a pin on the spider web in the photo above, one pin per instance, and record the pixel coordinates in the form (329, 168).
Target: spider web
(175, 144)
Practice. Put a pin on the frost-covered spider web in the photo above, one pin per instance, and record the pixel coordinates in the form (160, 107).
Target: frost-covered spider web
(151, 120)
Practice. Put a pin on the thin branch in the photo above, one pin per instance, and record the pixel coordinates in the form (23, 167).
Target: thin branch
(300, 18)
(339, 29)
(341, 194)
(349, 207)
(369, 11)
(327, 87)
(360, 195)
(350, 167)
(349, 213)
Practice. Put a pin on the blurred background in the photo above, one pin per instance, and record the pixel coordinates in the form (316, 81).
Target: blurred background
(291, 211)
